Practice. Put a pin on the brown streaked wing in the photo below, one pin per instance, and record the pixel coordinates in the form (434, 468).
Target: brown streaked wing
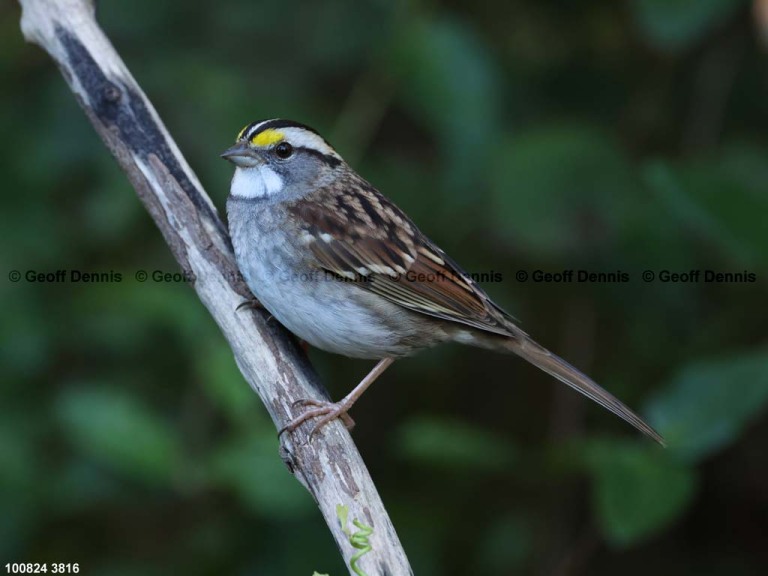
(393, 259)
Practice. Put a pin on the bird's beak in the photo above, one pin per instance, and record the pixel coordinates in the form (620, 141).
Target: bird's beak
(241, 155)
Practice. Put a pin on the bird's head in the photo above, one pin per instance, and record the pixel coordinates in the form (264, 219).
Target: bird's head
(279, 158)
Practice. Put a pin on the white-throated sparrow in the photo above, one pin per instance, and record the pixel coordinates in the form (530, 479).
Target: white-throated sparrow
(347, 271)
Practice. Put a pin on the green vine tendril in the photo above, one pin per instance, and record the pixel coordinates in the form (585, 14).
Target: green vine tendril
(358, 540)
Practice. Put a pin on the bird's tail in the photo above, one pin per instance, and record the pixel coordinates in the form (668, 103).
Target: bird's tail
(522, 345)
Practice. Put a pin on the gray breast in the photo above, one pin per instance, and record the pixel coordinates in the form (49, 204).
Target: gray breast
(325, 311)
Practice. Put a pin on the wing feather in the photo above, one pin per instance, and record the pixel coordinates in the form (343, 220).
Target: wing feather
(380, 246)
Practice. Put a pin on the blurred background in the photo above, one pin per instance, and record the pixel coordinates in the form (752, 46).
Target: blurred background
(523, 135)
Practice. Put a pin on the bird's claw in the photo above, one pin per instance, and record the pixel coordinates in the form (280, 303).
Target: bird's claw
(328, 411)
(252, 304)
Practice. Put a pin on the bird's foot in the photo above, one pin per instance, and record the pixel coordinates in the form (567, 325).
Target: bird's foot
(328, 411)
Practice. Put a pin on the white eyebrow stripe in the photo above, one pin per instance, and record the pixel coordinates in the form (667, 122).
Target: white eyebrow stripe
(302, 138)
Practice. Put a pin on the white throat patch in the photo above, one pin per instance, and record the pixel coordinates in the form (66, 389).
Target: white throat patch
(256, 182)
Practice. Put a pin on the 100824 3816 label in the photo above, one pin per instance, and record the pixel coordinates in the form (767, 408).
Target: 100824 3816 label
(42, 568)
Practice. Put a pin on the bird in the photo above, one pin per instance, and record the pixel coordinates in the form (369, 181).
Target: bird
(344, 269)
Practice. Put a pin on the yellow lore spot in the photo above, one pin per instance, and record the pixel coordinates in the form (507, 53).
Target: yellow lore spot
(267, 138)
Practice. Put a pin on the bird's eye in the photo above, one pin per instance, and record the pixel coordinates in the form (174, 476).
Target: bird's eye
(283, 150)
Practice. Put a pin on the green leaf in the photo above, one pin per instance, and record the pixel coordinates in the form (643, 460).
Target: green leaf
(452, 444)
(638, 489)
(709, 403)
(23, 468)
(678, 24)
(251, 467)
(555, 186)
(118, 430)
(450, 81)
(505, 546)
(719, 201)
(227, 388)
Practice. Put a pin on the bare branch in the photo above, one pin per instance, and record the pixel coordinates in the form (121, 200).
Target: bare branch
(330, 467)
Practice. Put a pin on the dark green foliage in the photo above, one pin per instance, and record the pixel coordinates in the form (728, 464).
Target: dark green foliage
(603, 136)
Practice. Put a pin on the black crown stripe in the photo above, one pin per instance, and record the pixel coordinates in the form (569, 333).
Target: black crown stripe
(260, 125)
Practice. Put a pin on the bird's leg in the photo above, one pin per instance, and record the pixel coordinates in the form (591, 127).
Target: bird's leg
(332, 410)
